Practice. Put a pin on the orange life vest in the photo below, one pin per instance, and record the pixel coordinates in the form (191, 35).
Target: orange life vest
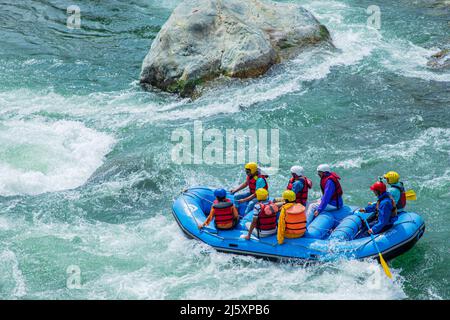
(295, 220)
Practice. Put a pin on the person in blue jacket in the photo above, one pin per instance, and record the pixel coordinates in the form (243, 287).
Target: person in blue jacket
(331, 193)
(385, 209)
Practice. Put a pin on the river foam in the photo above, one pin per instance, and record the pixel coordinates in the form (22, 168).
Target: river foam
(38, 156)
(163, 270)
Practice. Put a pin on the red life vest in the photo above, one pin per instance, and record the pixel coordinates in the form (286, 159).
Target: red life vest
(338, 189)
(251, 181)
(223, 212)
(302, 195)
(267, 217)
(402, 201)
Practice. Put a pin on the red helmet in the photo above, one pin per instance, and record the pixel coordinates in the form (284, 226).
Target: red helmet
(378, 186)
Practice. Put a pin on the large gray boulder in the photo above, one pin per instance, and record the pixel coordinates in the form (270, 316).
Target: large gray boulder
(204, 39)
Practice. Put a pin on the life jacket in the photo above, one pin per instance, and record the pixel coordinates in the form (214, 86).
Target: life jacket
(267, 217)
(223, 213)
(295, 221)
(302, 195)
(394, 208)
(402, 201)
(338, 189)
(251, 181)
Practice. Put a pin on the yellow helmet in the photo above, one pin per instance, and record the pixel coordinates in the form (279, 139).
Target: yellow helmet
(289, 195)
(261, 194)
(392, 177)
(252, 166)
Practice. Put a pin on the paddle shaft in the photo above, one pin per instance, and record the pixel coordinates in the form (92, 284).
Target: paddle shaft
(371, 235)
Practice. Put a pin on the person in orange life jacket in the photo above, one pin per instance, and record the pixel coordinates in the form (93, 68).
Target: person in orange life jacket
(292, 220)
(255, 180)
(223, 211)
(299, 184)
(264, 217)
(331, 193)
(384, 208)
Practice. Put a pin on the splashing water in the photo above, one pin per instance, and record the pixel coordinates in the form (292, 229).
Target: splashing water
(86, 177)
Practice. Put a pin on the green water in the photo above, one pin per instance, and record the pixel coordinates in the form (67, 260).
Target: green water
(87, 180)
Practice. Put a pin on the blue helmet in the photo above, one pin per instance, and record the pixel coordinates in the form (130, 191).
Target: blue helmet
(220, 193)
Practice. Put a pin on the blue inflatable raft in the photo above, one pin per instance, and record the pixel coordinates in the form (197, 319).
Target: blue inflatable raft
(330, 236)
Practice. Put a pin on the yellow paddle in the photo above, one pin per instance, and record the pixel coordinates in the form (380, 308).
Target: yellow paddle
(385, 267)
(383, 263)
(410, 195)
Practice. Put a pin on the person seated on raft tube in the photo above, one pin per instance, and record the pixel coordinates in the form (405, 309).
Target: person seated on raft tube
(384, 208)
(223, 211)
(396, 189)
(331, 193)
(255, 180)
(264, 216)
(292, 220)
(299, 184)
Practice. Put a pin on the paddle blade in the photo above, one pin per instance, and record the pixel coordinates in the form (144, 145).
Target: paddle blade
(385, 267)
(410, 195)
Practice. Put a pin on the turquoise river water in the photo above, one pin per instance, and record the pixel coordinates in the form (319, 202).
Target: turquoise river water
(86, 175)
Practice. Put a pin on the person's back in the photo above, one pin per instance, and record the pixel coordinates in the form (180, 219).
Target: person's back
(385, 209)
(266, 216)
(224, 217)
(292, 220)
(299, 184)
(332, 192)
(396, 189)
(295, 221)
(385, 213)
(264, 219)
(222, 211)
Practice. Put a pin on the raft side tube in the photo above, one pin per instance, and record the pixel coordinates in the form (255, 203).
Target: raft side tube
(188, 210)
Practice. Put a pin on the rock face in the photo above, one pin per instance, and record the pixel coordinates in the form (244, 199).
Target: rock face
(204, 39)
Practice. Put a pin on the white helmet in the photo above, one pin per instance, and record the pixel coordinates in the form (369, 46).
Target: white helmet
(324, 168)
(298, 170)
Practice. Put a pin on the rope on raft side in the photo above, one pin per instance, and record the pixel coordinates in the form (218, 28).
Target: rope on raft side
(190, 211)
(194, 194)
(378, 235)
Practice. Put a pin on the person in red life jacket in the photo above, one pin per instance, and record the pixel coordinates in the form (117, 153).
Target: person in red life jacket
(264, 218)
(255, 180)
(331, 193)
(385, 209)
(299, 184)
(396, 189)
(223, 211)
